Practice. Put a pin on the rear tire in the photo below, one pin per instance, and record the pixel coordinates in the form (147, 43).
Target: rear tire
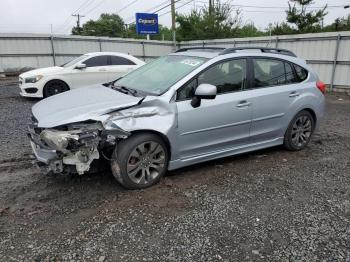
(54, 87)
(299, 132)
(140, 161)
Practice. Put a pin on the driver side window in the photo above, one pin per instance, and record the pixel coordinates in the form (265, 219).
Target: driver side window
(228, 76)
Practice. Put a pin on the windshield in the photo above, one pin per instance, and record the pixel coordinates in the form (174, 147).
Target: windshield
(159, 75)
(74, 61)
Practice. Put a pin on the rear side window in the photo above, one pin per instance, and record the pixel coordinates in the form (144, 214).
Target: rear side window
(117, 60)
(269, 72)
(301, 73)
(97, 61)
(272, 72)
(290, 76)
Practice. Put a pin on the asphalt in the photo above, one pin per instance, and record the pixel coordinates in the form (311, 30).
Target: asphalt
(269, 205)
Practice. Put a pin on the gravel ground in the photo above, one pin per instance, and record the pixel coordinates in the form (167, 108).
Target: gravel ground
(270, 205)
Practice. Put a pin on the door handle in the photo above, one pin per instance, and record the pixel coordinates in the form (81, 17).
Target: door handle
(243, 104)
(294, 94)
(102, 70)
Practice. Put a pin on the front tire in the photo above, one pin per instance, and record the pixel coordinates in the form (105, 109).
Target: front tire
(140, 161)
(299, 131)
(54, 87)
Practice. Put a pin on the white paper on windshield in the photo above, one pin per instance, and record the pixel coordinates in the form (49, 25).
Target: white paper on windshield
(190, 62)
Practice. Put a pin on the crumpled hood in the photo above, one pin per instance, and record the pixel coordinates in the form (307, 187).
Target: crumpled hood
(80, 104)
(42, 71)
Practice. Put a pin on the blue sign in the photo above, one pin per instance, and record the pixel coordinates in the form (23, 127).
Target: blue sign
(147, 23)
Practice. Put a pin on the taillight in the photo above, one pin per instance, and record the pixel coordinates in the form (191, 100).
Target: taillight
(321, 86)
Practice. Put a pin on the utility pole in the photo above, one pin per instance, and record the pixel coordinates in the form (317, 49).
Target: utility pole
(78, 21)
(173, 25)
(211, 4)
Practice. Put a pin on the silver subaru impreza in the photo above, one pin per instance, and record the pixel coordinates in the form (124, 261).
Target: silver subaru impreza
(194, 105)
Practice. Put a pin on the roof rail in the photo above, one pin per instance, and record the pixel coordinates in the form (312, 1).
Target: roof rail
(200, 49)
(262, 49)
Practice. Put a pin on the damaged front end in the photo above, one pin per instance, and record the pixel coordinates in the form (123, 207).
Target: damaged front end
(72, 148)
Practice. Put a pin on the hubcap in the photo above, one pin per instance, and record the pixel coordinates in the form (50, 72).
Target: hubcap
(301, 131)
(146, 162)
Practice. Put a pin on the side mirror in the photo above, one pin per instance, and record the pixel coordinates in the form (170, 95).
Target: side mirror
(203, 91)
(80, 66)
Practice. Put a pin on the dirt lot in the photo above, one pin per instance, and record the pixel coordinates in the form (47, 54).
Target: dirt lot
(268, 205)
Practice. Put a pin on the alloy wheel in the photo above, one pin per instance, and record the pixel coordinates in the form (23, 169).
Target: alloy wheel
(146, 162)
(301, 131)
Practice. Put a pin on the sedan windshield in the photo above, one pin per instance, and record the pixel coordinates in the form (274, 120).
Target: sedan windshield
(159, 75)
(74, 61)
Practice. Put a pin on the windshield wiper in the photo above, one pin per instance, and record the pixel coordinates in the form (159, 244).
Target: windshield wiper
(125, 90)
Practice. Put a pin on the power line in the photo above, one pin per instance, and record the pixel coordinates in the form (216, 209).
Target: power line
(126, 6)
(95, 7)
(147, 11)
(84, 5)
(157, 6)
(160, 9)
(278, 7)
(176, 8)
(166, 6)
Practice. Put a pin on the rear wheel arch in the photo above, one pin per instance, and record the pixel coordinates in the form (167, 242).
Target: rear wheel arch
(306, 131)
(312, 112)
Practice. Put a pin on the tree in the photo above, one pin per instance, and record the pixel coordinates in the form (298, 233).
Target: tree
(339, 24)
(208, 24)
(163, 31)
(111, 25)
(305, 22)
(282, 29)
(249, 30)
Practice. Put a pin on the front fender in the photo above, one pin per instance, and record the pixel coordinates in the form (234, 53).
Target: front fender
(152, 115)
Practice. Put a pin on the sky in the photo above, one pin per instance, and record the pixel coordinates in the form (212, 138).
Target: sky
(42, 16)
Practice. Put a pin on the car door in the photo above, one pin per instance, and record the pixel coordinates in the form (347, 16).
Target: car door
(219, 124)
(275, 89)
(96, 72)
(119, 66)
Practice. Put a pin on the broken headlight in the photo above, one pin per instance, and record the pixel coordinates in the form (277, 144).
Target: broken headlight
(58, 140)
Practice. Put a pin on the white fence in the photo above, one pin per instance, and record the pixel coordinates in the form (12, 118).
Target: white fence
(26, 50)
(327, 53)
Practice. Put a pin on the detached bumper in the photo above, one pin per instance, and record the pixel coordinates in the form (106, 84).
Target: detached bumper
(47, 159)
(43, 155)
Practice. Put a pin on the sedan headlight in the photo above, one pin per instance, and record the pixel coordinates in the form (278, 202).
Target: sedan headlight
(33, 79)
(58, 140)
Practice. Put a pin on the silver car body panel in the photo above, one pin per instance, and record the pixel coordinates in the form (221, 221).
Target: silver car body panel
(80, 105)
(216, 129)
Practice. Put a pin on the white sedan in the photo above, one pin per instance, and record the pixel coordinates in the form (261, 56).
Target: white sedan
(88, 69)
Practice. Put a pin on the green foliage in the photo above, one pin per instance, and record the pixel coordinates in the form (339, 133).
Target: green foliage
(339, 24)
(111, 25)
(282, 29)
(163, 32)
(304, 21)
(249, 30)
(208, 24)
(202, 24)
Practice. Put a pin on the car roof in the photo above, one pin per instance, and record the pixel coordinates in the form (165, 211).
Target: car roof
(107, 53)
(130, 57)
(216, 52)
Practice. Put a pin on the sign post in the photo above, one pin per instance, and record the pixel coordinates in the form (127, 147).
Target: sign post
(147, 24)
